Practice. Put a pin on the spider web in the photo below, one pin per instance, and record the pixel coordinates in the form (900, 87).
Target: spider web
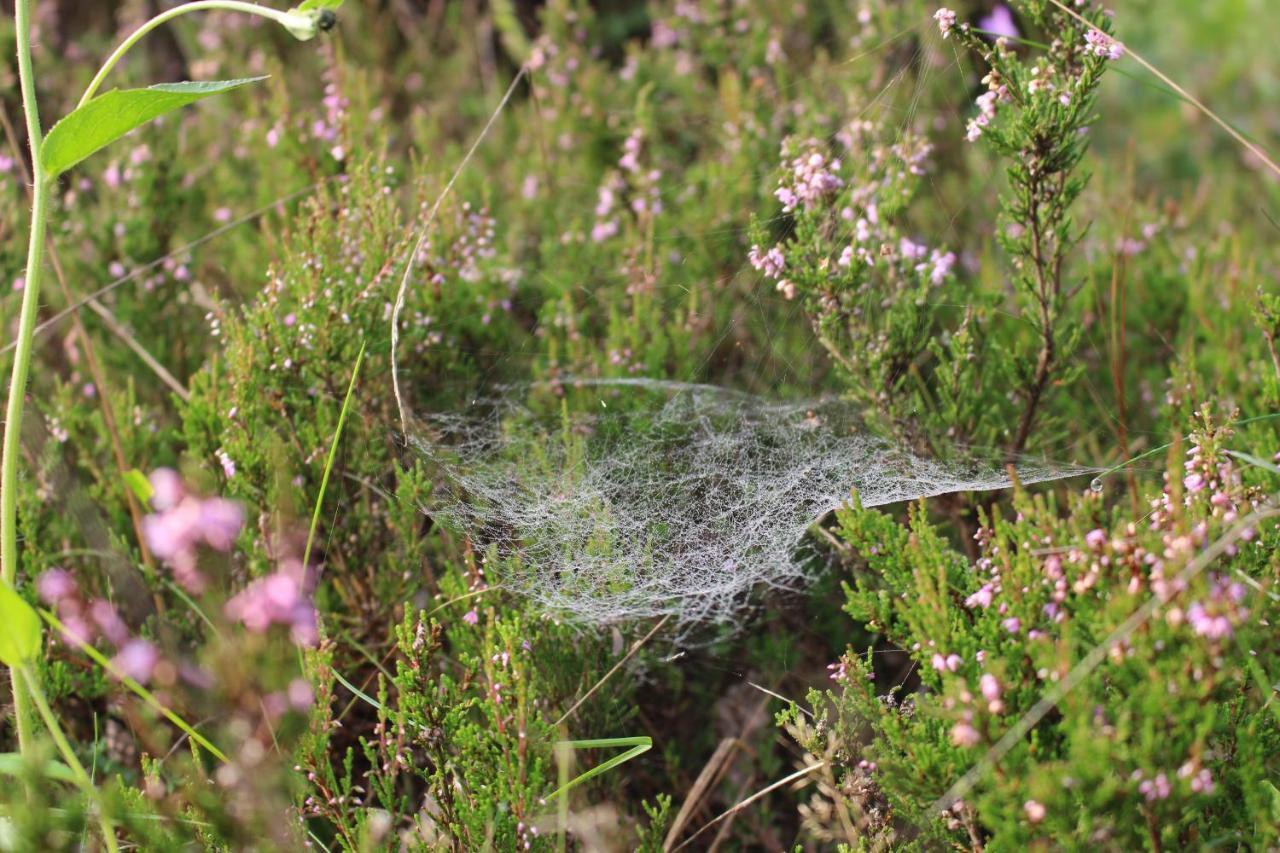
(669, 498)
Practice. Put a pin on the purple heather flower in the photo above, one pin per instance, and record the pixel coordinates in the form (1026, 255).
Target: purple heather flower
(1096, 539)
(300, 694)
(137, 659)
(55, 585)
(981, 598)
(472, 617)
(1100, 44)
(964, 734)
(104, 615)
(278, 599)
(220, 522)
(946, 21)
(1155, 789)
(1000, 22)
(166, 488)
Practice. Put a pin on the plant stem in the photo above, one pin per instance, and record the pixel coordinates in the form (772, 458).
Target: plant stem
(22, 354)
(283, 18)
(69, 756)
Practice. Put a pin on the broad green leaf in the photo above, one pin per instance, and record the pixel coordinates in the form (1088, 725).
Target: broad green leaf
(12, 764)
(139, 485)
(19, 628)
(95, 125)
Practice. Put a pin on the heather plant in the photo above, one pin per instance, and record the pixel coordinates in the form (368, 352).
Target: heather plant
(653, 425)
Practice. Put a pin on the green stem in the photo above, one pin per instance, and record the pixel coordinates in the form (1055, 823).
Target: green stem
(295, 22)
(69, 756)
(22, 354)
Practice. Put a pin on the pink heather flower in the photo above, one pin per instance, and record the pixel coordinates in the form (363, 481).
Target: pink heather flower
(1095, 539)
(228, 464)
(1100, 44)
(77, 630)
(602, 231)
(1155, 789)
(981, 598)
(1215, 627)
(964, 734)
(104, 615)
(1202, 782)
(137, 659)
(946, 21)
(55, 585)
(184, 522)
(813, 177)
(220, 522)
(910, 250)
(300, 694)
(222, 214)
(1193, 482)
(990, 687)
(943, 263)
(472, 617)
(1000, 23)
(950, 663)
(1035, 811)
(1013, 624)
(278, 599)
(166, 488)
(771, 263)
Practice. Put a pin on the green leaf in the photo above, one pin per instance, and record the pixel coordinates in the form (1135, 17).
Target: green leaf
(12, 764)
(95, 125)
(19, 629)
(139, 485)
(318, 4)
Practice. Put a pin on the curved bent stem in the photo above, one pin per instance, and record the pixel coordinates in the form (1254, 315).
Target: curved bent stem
(285, 19)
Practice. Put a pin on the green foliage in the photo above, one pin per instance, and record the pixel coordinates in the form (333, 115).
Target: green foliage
(20, 635)
(604, 230)
(106, 118)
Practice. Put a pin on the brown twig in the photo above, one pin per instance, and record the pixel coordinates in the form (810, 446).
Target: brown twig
(635, 647)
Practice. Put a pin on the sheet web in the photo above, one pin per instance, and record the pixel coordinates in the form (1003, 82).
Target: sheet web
(666, 498)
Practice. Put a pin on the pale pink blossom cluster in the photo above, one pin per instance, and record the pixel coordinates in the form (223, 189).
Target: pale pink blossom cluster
(812, 178)
(997, 93)
(946, 19)
(1217, 616)
(83, 621)
(282, 598)
(183, 523)
(773, 263)
(946, 663)
(1100, 44)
